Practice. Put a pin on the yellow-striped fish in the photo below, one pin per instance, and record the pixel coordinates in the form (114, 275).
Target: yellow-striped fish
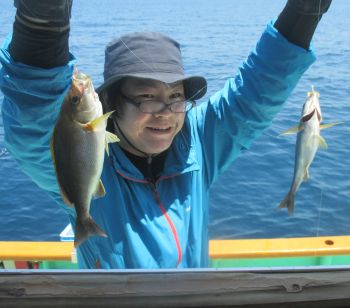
(307, 144)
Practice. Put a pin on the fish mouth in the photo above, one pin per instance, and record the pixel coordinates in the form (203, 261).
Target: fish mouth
(81, 77)
(83, 83)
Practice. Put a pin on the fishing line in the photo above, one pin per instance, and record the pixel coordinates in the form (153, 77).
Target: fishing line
(319, 11)
(184, 138)
(319, 214)
(224, 77)
(149, 156)
(136, 56)
(318, 223)
(151, 68)
(321, 198)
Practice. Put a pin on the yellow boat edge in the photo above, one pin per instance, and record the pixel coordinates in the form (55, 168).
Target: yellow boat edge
(218, 249)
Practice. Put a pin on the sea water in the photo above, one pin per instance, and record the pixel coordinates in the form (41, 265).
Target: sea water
(216, 36)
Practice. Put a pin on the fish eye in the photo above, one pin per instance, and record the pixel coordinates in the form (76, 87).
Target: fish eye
(75, 100)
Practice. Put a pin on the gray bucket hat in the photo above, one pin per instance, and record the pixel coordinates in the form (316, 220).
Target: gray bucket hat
(149, 55)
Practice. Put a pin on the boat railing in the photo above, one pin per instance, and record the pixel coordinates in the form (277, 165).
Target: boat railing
(222, 253)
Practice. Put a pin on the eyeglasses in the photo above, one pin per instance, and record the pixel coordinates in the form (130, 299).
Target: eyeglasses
(150, 106)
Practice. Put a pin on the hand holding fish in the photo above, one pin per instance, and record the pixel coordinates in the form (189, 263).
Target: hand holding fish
(307, 144)
(309, 7)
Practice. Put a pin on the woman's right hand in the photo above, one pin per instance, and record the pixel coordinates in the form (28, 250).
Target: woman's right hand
(41, 32)
(47, 14)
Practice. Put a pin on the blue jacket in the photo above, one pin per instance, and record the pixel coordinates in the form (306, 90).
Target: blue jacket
(161, 225)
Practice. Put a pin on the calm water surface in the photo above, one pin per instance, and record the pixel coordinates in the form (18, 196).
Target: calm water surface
(215, 39)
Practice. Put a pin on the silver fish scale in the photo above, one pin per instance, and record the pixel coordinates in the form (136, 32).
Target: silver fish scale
(79, 169)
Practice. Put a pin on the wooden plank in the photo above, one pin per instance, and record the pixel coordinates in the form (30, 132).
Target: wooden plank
(282, 247)
(200, 288)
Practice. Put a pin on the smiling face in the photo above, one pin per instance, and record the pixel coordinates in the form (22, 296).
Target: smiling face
(150, 133)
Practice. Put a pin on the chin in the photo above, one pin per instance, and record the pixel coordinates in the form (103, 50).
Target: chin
(156, 149)
(159, 150)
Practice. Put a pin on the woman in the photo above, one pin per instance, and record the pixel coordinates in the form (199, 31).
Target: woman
(157, 178)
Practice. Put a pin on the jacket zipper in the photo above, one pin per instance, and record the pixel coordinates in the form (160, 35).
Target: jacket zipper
(162, 209)
(171, 224)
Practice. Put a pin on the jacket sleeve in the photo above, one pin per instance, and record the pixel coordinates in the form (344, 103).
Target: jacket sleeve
(32, 102)
(236, 115)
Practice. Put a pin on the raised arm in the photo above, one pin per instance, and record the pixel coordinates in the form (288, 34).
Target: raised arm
(299, 19)
(237, 114)
(35, 76)
(40, 32)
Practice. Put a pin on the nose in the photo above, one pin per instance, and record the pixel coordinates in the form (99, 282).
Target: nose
(164, 112)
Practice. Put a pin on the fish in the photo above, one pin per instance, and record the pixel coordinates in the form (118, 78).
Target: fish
(308, 142)
(78, 146)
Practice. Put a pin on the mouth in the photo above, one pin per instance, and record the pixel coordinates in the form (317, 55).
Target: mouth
(159, 130)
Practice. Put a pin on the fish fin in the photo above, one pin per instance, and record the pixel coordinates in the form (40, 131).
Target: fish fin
(92, 125)
(106, 147)
(306, 174)
(62, 191)
(322, 143)
(100, 190)
(312, 138)
(288, 202)
(85, 228)
(110, 138)
(323, 126)
(293, 130)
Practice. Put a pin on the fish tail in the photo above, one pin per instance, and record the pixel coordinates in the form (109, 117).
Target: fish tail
(288, 202)
(86, 228)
